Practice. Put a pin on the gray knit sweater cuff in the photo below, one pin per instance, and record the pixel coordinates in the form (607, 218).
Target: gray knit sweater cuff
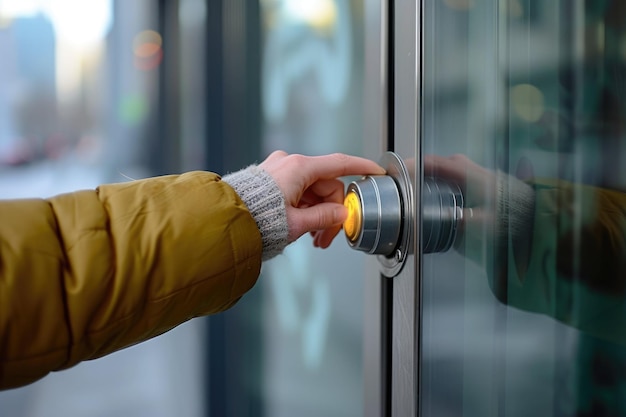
(266, 203)
(516, 203)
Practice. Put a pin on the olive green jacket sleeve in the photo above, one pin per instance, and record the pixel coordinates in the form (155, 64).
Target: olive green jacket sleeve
(91, 272)
(575, 270)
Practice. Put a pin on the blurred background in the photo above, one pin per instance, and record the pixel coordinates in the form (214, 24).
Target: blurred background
(108, 90)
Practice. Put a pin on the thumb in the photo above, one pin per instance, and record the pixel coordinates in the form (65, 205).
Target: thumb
(318, 217)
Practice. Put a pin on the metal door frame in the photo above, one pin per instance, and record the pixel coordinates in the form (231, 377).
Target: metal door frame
(392, 305)
(407, 85)
(377, 317)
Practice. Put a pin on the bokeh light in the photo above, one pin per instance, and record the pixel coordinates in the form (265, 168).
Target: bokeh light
(10, 9)
(318, 14)
(527, 102)
(133, 109)
(516, 9)
(79, 22)
(148, 50)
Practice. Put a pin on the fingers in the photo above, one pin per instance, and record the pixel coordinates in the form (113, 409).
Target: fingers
(329, 191)
(275, 156)
(313, 193)
(341, 165)
(295, 173)
(323, 190)
(463, 171)
(325, 219)
(323, 238)
(454, 167)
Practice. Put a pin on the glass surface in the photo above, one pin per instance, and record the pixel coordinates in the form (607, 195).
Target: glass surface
(526, 315)
(312, 88)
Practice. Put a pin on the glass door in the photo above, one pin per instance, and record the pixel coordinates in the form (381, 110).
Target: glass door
(312, 78)
(521, 104)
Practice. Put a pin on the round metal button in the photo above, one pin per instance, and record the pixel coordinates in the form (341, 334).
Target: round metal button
(375, 222)
(354, 222)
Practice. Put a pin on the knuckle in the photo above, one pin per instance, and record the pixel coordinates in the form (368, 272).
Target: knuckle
(323, 219)
(340, 157)
(297, 159)
(458, 157)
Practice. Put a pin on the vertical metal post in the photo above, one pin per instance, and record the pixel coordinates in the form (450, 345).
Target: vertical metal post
(377, 289)
(407, 67)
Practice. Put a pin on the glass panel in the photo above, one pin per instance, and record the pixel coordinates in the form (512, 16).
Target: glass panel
(312, 90)
(78, 107)
(526, 315)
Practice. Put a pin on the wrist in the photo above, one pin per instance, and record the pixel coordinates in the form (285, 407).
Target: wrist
(266, 203)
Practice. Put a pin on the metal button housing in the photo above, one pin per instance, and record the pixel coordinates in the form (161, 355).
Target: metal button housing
(375, 215)
(442, 212)
(382, 215)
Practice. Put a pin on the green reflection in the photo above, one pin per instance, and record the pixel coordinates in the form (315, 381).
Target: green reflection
(527, 316)
(133, 109)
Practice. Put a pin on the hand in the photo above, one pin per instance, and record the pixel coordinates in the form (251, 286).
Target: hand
(484, 221)
(464, 172)
(477, 183)
(479, 186)
(313, 193)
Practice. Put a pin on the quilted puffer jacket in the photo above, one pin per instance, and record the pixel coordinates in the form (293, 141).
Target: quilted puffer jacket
(571, 261)
(87, 273)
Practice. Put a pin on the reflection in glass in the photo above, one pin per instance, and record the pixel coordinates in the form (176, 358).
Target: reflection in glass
(523, 108)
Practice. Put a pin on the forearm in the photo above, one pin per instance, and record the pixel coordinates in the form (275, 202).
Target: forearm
(572, 247)
(88, 273)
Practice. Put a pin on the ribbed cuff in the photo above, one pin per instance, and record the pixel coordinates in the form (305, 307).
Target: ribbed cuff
(516, 203)
(266, 203)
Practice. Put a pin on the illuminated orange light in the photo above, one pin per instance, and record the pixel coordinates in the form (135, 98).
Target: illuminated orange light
(149, 37)
(150, 63)
(354, 222)
(147, 50)
(147, 47)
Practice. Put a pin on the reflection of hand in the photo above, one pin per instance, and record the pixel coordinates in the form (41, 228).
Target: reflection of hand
(478, 184)
(463, 171)
(498, 207)
(313, 193)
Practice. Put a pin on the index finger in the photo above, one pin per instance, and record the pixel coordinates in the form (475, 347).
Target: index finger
(449, 167)
(340, 165)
